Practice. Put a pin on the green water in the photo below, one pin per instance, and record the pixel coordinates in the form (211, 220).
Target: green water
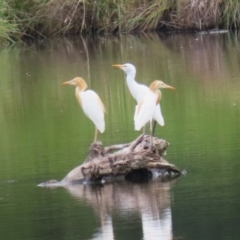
(44, 134)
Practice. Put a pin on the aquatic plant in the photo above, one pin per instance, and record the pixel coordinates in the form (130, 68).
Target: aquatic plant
(61, 17)
(231, 14)
(8, 27)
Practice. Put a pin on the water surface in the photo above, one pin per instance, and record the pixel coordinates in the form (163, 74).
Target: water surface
(44, 134)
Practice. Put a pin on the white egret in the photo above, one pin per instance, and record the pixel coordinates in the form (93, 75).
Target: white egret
(146, 108)
(91, 104)
(138, 90)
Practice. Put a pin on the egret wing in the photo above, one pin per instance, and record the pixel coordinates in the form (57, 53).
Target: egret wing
(142, 91)
(158, 115)
(144, 110)
(93, 108)
(135, 113)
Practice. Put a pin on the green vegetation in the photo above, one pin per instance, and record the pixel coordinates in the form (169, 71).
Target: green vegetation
(8, 28)
(19, 19)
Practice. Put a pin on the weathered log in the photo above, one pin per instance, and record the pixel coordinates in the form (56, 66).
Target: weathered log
(120, 161)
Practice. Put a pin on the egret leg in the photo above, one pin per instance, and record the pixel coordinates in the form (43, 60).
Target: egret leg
(150, 129)
(143, 129)
(154, 127)
(146, 127)
(95, 136)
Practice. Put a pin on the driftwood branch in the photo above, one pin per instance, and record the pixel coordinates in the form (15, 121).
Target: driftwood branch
(101, 163)
(120, 161)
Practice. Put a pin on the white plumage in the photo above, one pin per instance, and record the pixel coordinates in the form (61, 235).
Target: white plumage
(91, 104)
(92, 107)
(146, 109)
(138, 90)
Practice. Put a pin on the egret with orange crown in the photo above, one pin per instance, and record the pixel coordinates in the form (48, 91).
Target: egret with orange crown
(91, 104)
(147, 106)
(138, 90)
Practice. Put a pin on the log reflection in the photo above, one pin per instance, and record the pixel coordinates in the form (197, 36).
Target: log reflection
(151, 202)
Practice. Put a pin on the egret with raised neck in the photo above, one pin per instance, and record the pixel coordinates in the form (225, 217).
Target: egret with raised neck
(138, 91)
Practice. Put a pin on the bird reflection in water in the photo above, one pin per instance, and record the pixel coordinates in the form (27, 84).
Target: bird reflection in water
(151, 201)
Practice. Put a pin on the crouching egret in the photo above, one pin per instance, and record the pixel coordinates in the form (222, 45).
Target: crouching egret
(91, 104)
(146, 108)
(138, 90)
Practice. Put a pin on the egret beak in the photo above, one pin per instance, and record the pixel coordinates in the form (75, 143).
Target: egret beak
(169, 87)
(66, 83)
(117, 65)
(164, 85)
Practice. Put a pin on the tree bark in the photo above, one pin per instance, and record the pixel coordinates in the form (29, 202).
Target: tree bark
(124, 161)
(121, 160)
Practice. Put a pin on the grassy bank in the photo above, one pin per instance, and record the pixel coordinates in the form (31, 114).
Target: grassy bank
(21, 18)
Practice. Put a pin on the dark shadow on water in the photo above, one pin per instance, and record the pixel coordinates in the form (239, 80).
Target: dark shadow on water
(139, 176)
